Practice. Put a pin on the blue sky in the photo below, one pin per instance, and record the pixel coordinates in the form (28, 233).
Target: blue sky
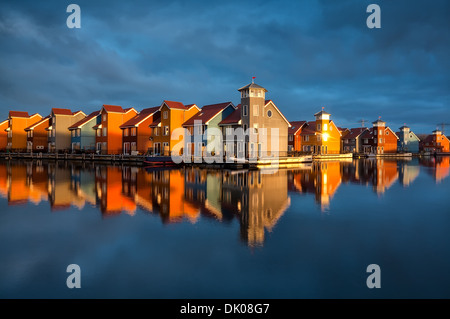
(308, 54)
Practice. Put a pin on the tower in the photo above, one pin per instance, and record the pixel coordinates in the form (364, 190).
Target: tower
(322, 129)
(404, 137)
(379, 139)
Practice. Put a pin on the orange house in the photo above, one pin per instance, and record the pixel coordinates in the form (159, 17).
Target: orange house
(321, 136)
(16, 135)
(437, 142)
(3, 135)
(379, 139)
(294, 137)
(173, 115)
(108, 137)
(136, 132)
(37, 135)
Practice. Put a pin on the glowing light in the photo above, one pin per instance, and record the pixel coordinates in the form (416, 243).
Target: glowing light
(325, 136)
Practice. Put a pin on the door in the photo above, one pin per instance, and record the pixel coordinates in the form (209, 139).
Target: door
(259, 150)
(126, 148)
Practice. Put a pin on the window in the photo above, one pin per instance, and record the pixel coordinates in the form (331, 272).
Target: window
(380, 140)
(99, 132)
(245, 110)
(269, 113)
(199, 129)
(245, 128)
(291, 137)
(374, 132)
(104, 131)
(305, 138)
(387, 132)
(255, 110)
(133, 146)
(156, 131)
(319, 127)
(166, 130)
(73, 133)
(125, 132)
(229, 130)
(133, 131)
(31, 133)
(366, 141)
(104, 118)
(325, 127)
(53, 133)
(165, 115)
(318, 138)
(381, 132)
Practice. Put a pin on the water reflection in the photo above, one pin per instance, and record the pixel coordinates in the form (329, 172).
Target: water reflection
(255, 199)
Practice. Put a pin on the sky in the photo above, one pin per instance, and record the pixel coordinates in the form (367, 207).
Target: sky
(307, 54)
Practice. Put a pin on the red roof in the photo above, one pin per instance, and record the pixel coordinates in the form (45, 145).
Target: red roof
(37, 123)
(309, 128)
(233, 118)
(18, 114)
(355, 132)
(175, 105)
(295, 126)
(61, 111)
(85, 120)
(140, 117)
(206, 113)
(368, 133)
(113, 108)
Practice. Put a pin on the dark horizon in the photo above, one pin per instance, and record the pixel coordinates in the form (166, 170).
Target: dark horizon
(307, 54)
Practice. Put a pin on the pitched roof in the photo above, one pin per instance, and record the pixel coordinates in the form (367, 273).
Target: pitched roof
(18, 114)
(355, 132)
(309, 128)
(233, 118)
(140, 117)
(322, 113)
(61, 111)
(113, 108)
(175, 105)
(207, 112)
(31, 127)
(156, 119)
(84, 121)
(252, 86)
(270, 101)
(368, 133)
(378, 121)
(295, 126)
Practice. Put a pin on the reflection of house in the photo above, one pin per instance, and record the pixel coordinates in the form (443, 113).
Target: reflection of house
(440, 166)
(436, 142)
(16, 135)
(109, 189)
(3, 135)
(18, 191)
(168, 197)
(407, 141)
(4, 183)
(258, 199)
(385, 175)
(37, 135)
(60, 190)
(379, 139)
(136, 132)
(83, 184)
(322, 180)
(83, 134)
(408, 173)
(321, 136)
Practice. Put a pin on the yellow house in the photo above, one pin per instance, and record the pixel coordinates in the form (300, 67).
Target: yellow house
(172, 116)
(16, 135)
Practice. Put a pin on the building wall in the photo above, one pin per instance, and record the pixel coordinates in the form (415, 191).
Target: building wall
(143, 136)
(3, 135)
(19, 136)
(390, 142)
(87, 140)
(63, 138)
(40, 137)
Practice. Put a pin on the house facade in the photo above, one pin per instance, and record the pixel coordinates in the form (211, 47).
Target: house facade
(408, 142)
(136, 132)
(436, 143)
(379, 139)
(108, 137)
(294, 136)
(59, 136)
(37, 140)
(3, 135)
(172, 116)
(351, 140)
(82, 134)
(16, 135)
(321, 136)
(209, 117)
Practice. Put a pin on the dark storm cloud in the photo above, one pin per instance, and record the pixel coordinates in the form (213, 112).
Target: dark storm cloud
(308, 54)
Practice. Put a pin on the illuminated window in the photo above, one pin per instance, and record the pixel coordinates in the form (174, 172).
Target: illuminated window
(165, 115)
(325, 127)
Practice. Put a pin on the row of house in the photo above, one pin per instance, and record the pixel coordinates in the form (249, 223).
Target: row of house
(115, 130)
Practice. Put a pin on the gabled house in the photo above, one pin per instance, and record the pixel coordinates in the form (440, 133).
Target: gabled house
(351, 140)
(294, 137)
(209, 117)
(379, 139)
(136, 132)
(16, 135)
(436, 143)
(173, 115)
(408, 142)
(228, 125)
(37, 140)
(321, 136)
(82, 132)
(108, 138)
(59, 136)
(3, 135)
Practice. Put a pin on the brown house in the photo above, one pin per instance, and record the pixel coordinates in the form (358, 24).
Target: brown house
(379, 139)
(136, 132)
(294, 138)
(37, 135)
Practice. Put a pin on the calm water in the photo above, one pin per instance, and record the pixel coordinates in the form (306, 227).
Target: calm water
(189, 233)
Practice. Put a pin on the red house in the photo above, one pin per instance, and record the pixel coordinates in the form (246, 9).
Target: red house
(379, 139)
(294, 138)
